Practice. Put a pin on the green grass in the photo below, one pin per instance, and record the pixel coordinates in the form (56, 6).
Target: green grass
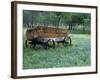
(79, 31)
(71, 56)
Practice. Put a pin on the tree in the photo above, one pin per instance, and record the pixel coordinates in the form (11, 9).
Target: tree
(55, 19)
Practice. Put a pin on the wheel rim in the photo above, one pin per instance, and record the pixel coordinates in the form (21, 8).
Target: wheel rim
(51, 43)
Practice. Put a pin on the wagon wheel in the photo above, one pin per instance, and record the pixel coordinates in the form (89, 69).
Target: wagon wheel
(33, 44)
(30, 42)
(51, 43)
(27, 42)
(70, 41)
(67, 41)
(45, 45)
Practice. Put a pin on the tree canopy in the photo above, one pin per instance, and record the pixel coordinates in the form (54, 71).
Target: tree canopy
(55, 19)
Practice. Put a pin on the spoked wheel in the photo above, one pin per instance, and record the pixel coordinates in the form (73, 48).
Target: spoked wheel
(51, 43)
(45, 46)
(67, 41)
(30, 43)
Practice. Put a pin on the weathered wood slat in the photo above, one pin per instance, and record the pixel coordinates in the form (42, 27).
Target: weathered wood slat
(46, 32)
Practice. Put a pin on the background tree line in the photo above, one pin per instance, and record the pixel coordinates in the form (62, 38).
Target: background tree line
(69, 20)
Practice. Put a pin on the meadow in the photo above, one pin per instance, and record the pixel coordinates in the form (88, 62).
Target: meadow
(76, 55)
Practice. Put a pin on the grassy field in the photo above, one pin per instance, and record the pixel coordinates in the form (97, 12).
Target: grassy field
(71, 56)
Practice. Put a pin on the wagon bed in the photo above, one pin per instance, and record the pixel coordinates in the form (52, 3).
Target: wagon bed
(44, 35)
(46, 32)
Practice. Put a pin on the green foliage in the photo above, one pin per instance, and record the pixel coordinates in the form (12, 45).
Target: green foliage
(71, 56)
(56, 19)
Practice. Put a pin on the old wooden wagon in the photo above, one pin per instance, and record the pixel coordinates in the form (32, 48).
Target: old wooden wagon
(47, 36)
